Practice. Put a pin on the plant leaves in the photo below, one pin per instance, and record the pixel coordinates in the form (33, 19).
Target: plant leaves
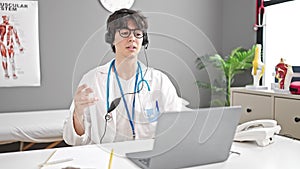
(237, 62)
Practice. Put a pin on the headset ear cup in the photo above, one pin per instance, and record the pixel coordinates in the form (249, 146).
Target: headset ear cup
(145, 40)
(108, 38)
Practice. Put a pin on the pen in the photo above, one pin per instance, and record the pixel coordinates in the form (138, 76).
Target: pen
(157, 107)
(110, 158)
(57, 161)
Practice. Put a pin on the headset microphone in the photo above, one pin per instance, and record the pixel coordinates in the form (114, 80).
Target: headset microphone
(112, 107)
(108, 116)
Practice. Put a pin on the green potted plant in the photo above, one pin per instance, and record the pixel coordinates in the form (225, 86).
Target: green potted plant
(238, 61)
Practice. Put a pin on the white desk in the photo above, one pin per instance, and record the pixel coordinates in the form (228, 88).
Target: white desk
(283, 153)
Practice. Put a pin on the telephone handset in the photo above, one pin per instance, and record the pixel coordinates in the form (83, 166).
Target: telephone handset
(261, 131)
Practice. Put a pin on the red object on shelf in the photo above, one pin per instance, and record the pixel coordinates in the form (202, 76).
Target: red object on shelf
(295, 87)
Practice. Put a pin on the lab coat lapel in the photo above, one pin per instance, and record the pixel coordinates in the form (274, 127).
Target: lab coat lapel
(104, 69)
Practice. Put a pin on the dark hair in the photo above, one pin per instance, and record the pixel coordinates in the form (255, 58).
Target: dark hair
(119, 19)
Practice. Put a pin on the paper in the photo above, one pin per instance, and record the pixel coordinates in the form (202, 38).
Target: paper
(88, 157)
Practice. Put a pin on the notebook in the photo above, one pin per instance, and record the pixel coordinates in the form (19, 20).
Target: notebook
(190, 138)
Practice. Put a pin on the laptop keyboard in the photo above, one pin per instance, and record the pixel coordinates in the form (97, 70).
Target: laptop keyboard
(145, 161)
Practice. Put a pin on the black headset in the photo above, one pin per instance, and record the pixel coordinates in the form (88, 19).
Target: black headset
(109, 36)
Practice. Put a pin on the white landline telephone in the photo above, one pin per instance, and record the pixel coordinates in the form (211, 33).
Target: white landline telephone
(261, 131)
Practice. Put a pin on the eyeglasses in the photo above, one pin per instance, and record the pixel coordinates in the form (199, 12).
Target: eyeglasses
(125, 33)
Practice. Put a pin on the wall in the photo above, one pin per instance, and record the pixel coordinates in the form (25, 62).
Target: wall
(238, 20)
(72, 42)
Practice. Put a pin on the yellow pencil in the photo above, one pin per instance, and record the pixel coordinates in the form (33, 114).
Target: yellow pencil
(110, 158)
(50, 156)
(41, 165)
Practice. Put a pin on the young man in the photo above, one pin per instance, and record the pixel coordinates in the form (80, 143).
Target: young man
(122, 99)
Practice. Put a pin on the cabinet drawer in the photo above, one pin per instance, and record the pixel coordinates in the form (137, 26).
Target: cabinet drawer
(286, 113)
(253, 106)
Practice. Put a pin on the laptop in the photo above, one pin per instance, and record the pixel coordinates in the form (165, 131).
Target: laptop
(190, 138)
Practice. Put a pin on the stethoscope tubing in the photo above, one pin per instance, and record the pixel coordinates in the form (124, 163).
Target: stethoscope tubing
(260, 11)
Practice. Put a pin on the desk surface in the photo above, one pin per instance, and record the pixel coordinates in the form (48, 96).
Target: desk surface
(283, 153)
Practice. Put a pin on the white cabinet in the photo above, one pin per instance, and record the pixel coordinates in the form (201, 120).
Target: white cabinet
(287, 114)
(266, 104)
(253, 106)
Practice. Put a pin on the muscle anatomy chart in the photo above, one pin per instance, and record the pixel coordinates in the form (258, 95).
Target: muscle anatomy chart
(19, 46)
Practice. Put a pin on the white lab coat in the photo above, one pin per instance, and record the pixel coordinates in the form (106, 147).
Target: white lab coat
(162, 90)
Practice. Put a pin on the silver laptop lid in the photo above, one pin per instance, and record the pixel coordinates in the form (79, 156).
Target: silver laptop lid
(191, 138)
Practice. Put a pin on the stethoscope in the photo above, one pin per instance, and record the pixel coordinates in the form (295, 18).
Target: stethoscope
(260, 14)
(114, 104)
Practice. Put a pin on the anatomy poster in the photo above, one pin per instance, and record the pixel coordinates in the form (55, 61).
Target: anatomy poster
(19, 44)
